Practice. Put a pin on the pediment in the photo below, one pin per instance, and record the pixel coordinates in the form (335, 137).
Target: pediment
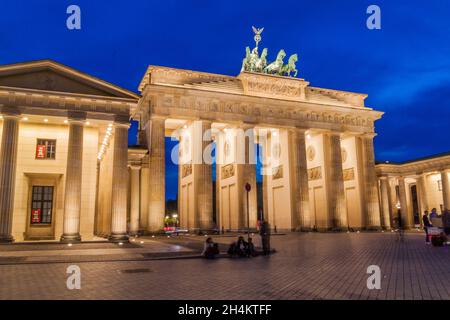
(51, 76)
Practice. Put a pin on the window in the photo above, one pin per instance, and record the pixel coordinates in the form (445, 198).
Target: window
(41, 205)
(45, 149)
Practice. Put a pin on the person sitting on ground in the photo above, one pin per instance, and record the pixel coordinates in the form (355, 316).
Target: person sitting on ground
(446, 221)
(238, 248)
(251, 252)
(241, 247)
(210, 249)
(426, 225)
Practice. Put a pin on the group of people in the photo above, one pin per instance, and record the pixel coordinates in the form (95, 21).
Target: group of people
(435, 220)
(240, 248)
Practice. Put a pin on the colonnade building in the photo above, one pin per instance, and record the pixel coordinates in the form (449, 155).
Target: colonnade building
(67, 172)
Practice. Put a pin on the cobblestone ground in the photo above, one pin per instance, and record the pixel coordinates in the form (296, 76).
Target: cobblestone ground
(307, 266)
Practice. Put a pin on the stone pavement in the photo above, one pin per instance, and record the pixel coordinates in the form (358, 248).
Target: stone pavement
(137, 249)
(306, 266)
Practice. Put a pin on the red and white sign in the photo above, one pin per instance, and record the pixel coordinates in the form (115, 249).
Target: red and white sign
(40, 151)
(36, 216)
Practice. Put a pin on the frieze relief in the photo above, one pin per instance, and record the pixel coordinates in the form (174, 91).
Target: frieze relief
(186, 170)
(349, 174)
(277, 173)
(246, 109)
(315, 173)
(227, 171)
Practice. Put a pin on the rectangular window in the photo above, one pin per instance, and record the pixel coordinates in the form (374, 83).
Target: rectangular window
(41, 205)
(45, 149)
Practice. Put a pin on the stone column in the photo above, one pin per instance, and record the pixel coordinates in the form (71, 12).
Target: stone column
(204, 180)
(393, 197)
(422, 193)
(406, 219)
(264, 155)
(120, 184)
(337, 205)
(385, 202)
(135, 199)
(445, 189)
(74, 172)
(301, 216)
(156, 185)
(249, 174)
(370, 184)
(8, 163)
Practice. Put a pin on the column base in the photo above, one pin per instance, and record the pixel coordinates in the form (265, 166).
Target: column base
(66, 238)
(118, 237)
(6, 239)
(339, 229)
(374, 228)
(134, 233)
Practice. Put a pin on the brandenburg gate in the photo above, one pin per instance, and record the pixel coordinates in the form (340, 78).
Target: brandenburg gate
(315, 146)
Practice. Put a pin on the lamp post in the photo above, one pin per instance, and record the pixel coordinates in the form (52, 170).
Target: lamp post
(248, 187)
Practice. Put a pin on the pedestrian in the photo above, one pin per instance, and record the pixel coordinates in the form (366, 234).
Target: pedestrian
(426, 225)
(251, 252)
(264, 232)
(446, 221)
(433, 215)
(210, 249)
(400, 225)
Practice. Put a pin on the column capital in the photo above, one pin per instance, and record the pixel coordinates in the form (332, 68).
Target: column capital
(157, 117)
(76, 116)
(121, 125)
(332, 133)
(246, 125)
(9, 111)
(300, 129)
(368, 135)
(134, 166)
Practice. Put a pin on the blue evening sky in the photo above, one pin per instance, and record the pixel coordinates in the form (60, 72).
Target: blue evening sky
(404, 67)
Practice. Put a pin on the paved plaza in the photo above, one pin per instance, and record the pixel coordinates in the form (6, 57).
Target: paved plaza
(306, 266)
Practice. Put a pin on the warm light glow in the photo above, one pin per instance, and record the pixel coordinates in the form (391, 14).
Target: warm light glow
(308, 136)
(25, 119)
(110, 125)
(175, 216)
(88, 123)
(66, 121)
(69, 244)
(45, 120)
(120, 243)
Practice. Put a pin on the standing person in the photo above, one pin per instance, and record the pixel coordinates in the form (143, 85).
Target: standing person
(264, 232)
(446, 221)
(433, 214)
(400, 225)
(426, 225)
